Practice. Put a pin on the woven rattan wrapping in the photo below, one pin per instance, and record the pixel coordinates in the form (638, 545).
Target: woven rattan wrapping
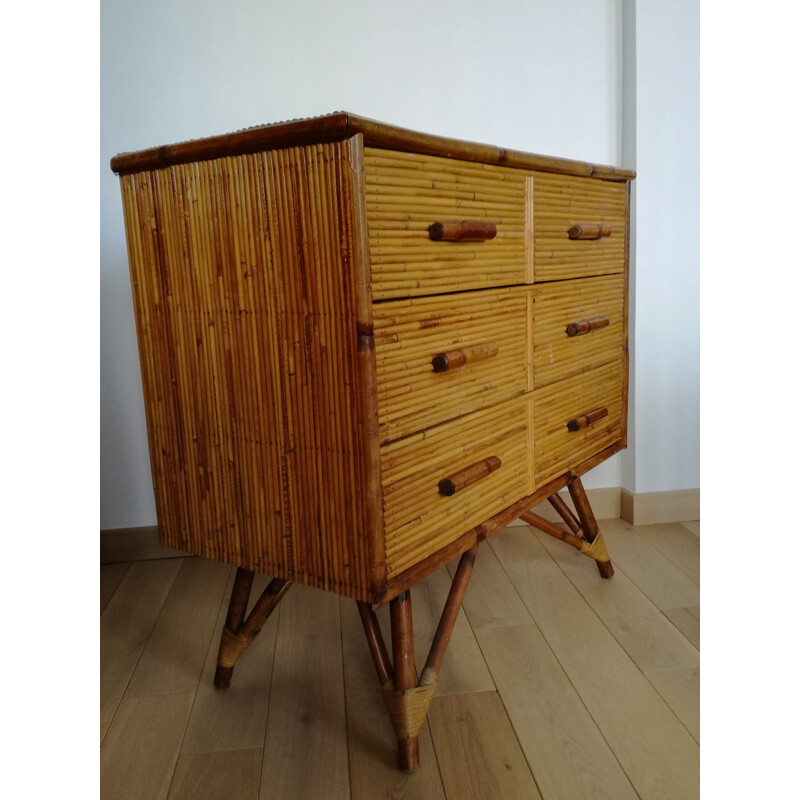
(231, 646)
(407, 708)
(597, 549)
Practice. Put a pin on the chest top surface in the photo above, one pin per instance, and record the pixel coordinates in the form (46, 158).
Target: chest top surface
(341, 125)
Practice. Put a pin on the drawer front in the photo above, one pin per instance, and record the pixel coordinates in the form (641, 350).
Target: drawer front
(590, 208)
(444, 356)
(407, 193)
(577, 325)
(575, 400)
(418, 518)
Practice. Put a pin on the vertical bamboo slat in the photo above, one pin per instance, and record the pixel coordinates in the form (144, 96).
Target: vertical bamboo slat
(245, 293)
(368, 470)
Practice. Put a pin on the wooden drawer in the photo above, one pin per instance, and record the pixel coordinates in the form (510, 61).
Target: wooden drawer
(577, 325)
(558, 449)
(562, 203)
(418, 519)
(407, 193)
(420, 343)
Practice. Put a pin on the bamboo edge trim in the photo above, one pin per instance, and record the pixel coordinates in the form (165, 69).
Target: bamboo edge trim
(342, 125)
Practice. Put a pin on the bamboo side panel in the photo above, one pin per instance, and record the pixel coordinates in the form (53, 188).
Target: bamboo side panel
(405, 193)
(418, 520)
(246, 316)
(557, 355)
(557, 449)
(561, 201)
(408, 333)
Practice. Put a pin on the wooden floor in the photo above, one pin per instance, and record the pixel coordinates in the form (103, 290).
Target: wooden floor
(556, 684)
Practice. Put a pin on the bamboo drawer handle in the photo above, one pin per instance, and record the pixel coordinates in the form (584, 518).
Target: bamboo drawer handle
(465, 231)
(452, 359)
(464, 477)
(585, 420)
(598, 231)
(586, 326)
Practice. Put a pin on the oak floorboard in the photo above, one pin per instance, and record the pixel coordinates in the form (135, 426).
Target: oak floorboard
(491, 598)
(687, 620)
(666, 585)
(139, 754)
(648, 637)
(125, 627)
(306, 610)
(658, 754)
(110, 577)
(657, 647)
(305, 751)
(477, 750)
(578, 680)
(568, 755)
(371, 741)
(677, 543)
(173, 658)
(681, 689)
(694, 526)
(234, 718)
(217, 776)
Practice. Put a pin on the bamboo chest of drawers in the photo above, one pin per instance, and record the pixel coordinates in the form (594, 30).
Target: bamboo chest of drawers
(365, 349)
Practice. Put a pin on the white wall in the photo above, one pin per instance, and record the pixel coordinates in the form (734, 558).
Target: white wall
(532, 75)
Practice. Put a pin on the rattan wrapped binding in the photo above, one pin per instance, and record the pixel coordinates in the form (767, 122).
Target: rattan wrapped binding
(231, 646)
(408, 708)
(596, 549)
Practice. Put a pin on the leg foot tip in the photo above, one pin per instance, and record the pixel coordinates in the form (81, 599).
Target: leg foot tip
(222, 677)
(606, 570)
(408, 755)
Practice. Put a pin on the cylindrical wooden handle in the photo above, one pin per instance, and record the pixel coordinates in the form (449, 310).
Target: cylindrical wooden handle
(586, 325)
(585, 420)
(452, 359)
(465, 231)
(464, 477)
(593, 231)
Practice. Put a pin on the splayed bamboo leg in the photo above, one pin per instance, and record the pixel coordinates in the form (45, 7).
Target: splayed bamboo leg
(406, 700)
(239, 632)
(592, 545)
(405, 678)
(377, 647)
(565, 513)
(448, 619)
(240, 594)
(589, 524)
(552, 529)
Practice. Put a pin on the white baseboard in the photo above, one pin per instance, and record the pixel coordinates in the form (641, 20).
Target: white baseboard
(654, 507)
